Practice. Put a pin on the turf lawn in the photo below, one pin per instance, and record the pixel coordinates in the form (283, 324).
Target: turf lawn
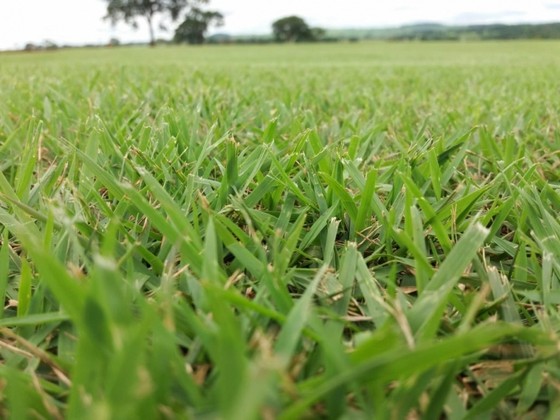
(350, 231)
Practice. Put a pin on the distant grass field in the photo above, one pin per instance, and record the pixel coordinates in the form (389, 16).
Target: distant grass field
(347, 231)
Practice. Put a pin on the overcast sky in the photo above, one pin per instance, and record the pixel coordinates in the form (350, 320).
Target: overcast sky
(80, 21)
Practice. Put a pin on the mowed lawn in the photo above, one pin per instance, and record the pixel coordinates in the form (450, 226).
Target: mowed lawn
(364, 230)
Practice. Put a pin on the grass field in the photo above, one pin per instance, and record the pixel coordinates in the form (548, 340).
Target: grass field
(325, 231)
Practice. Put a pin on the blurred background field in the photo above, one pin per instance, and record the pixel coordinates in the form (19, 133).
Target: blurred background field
(359, 54)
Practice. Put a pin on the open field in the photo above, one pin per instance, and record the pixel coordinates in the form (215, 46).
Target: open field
(337, 231)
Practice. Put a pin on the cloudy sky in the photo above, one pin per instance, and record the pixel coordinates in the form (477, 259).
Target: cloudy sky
(80, 21)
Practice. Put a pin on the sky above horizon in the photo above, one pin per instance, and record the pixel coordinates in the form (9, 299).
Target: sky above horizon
(77, 22)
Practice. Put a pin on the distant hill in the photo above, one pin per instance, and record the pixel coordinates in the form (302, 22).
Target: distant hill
(425, 31)
(435, 31)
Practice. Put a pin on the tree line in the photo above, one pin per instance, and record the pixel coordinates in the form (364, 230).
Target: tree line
(438, 32)
(197, 20)
(477, 32)
(193, 19)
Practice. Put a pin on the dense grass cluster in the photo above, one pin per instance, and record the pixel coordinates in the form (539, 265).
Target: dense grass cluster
(341, 231)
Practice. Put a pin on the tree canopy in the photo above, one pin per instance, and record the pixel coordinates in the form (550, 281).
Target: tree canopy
(295, 29)
(130, 11)
(193, 29)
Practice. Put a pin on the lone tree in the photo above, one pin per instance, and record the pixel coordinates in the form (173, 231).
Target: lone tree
(196, 24)
(130, 11)
(292, 29)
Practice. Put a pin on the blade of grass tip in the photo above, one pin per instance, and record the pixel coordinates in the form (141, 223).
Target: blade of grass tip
(210, 143)
(97, 327)
(454, 406)
(317, 228)
(439, 396)
(167, 366)
(7, 190)
(210, 267)
(498, 284)
(264, 186)
(251, 256)
(189, 246)
(246, 258)
(365, 208)
(407, 211)
(251, 166)
(232, 164)
(424, 316)
(26, 170)
(27, 210)
(249, 306)
(229, 355)
(18, 393)
(334, 328)
(433, 218)
(35, 319)
(288, 182)
(532, 386)
(259, 386)
(416, 251)
(286, 213)
(53, 273)
(423, 273)
(395, 364)
(13, 136)
(171, 207)
(229, 180)
(189, 250)
(435, 173)
(346, 277)
(496, 397)
(4, 268)
(348, 203)
(462, 206)
(461, 146)
(24, 288)
(48, 230)
(319, 152)
(478, 302)
(410, 392)
(505, 209)
(121, 383)
(329, 246)
(521, 266)
(375, 302)
(282, 263)
(546, 279)
(292, 329)
(355, 174)
(315, 188)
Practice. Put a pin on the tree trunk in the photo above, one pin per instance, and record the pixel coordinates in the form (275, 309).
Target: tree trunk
(152, 35)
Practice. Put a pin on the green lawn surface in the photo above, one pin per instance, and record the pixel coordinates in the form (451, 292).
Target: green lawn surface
(364, 230)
